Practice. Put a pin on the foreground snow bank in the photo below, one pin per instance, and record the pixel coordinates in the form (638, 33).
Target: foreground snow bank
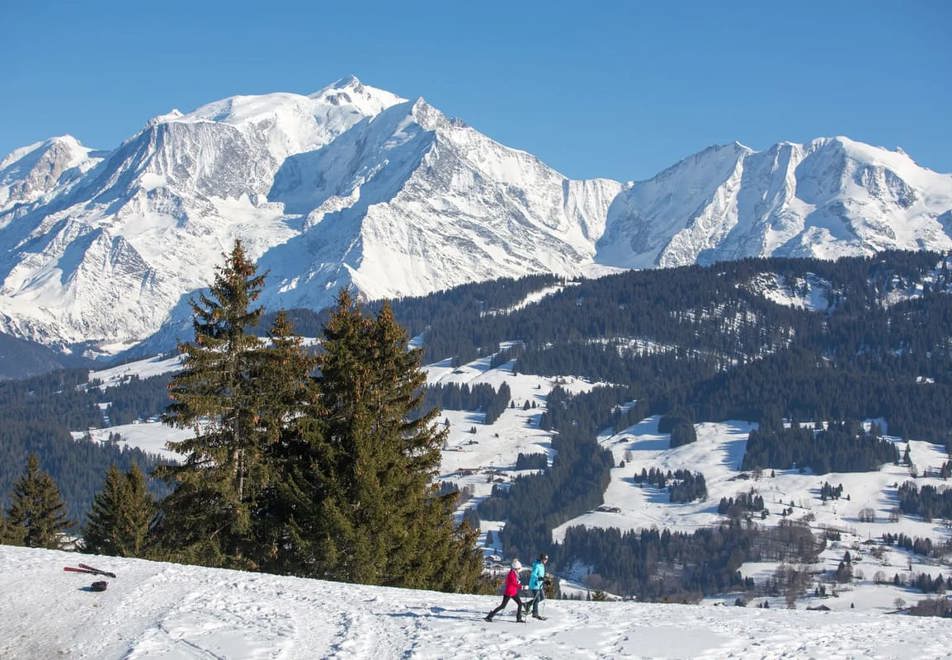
(157, 610)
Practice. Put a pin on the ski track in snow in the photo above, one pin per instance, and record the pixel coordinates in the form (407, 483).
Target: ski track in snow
(159, 610)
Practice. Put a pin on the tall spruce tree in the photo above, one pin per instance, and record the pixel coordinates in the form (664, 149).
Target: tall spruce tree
(207, 518)
(38, 509)
(383, 521)
(122, 512)
(290, 421)
(284, 376)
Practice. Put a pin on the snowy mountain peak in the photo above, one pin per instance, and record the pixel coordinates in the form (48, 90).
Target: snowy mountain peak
(171, 115)
(30, 173)
(351, 185)
(827, 198)
(67, 144)
(347, 81)
(350, 90)
(354, 185)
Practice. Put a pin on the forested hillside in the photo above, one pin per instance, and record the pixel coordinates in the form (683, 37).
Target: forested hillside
(709, 340)
(710, 344)
(761, 340)
(38, 414)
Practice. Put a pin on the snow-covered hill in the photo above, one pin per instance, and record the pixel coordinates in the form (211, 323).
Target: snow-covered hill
(159, 610)
(352, 185)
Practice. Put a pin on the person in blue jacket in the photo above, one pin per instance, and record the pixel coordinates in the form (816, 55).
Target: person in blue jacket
(537, 585)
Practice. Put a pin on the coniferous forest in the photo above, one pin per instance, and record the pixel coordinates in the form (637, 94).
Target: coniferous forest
(38, 414)
(697, 344)
(682, 485)
(692, 344)
(480, 397)
(329, 476)
(842, 447)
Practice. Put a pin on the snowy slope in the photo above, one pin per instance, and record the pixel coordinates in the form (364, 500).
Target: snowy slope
(718, 453)
(827, 198)
(475, 461)
(159, 610)
(150, 437)
(142, 369)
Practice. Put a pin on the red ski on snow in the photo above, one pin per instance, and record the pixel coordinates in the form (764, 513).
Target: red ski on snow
(86, 568)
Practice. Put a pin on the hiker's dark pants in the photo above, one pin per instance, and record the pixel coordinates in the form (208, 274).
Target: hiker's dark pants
(538, 595)
(505, 601)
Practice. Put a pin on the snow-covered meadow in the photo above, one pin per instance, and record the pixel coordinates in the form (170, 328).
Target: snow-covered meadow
(160, 610)
(718, 453)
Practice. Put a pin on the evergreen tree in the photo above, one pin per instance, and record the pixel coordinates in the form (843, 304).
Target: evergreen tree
(384, 522)
(291, 421)
(207, 518)
(38, 509)
(119, 521)
(10, 534)
(284, 375)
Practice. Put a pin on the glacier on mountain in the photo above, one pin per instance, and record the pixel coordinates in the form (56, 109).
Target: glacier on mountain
(355, 186)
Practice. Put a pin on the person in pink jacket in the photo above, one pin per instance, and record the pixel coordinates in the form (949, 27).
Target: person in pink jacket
(511, 592)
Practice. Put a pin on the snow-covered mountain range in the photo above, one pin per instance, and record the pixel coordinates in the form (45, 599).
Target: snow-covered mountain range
(353, 185)
(827, 198)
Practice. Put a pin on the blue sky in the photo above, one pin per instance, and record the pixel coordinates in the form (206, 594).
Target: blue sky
(616, 89)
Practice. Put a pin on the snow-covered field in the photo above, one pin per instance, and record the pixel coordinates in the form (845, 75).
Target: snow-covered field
(150, 437)
(497, 445)
(476, 461)
(159, 610)
(142, 369)
(718, 453)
